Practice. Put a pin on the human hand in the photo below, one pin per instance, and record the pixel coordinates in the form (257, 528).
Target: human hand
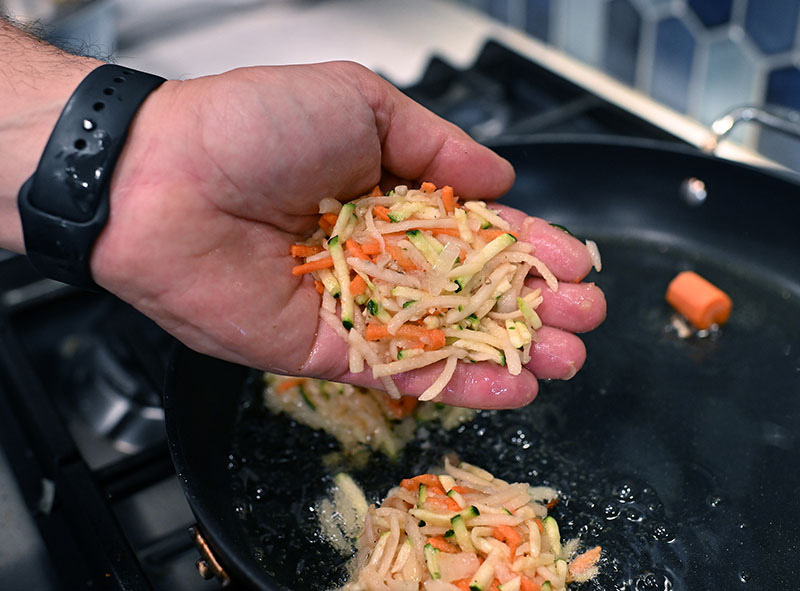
(220, 175)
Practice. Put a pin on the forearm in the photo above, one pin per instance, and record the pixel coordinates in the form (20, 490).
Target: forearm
(36, 80)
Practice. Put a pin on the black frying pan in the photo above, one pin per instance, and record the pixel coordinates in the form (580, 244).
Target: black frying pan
(679, 456)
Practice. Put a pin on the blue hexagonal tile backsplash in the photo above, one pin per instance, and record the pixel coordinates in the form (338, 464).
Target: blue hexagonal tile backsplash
(700, 57)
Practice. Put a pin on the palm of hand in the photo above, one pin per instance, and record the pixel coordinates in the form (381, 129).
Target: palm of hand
(204, 211)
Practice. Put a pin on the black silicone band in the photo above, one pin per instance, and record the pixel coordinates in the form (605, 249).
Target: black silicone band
(64, 205)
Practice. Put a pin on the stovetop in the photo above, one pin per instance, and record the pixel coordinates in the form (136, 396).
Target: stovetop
(88, 493)
(82, 434)
(504, 96)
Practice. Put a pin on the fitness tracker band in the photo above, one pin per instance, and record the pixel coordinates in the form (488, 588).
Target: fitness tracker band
(64, 205)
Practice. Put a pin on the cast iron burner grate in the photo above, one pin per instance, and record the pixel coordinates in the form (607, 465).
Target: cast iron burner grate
(108, 519)
(503, 95)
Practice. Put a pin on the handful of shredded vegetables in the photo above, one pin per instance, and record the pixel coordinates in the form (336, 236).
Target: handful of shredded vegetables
(465, 530)
(414, 277)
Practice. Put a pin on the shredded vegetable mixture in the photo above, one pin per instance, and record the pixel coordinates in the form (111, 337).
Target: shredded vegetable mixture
(357, 417)
(414, 277)
(465, 530)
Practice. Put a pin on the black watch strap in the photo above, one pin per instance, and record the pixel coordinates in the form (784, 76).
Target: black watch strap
(64, 205)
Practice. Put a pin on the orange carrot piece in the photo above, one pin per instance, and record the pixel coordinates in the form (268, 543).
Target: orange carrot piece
(427, 187)
(507, 534)
(319, 286)
(464, 490)
(408, 484)
(462, 584)
(527, 584)
(376, 191)
(289, 384)
(371, 248)
(382, 213)
(304, 250)
(551, 503)
(494, 585)
(375, 332)
(355, 249)
(448, 231)
(427, 479)
(329, 218)
(312, 266)
(436, 339)
(358, 285)
(442, 545)
(327, 221)
(428, 338)
(401, 407)
(433, 337)
(440, 503)
(400, 257)
(492, 233)
(448, 199)
(415, 345)
(402, 235)
(699, 300)
(585, 561)
(430, 480)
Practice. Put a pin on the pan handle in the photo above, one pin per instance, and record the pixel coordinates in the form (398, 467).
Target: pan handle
(208, 566)
(778, 118)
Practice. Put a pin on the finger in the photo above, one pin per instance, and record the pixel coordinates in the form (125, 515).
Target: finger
(576, 307)
(474, 385)
(417, 144)
(557, 354)
(566, 256)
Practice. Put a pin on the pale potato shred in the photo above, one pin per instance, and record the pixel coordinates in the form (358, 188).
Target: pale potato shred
(414, 277)
(357, 417)
(465, 530)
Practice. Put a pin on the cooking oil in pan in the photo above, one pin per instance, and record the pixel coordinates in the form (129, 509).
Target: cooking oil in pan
(675, 455)
(278, 478)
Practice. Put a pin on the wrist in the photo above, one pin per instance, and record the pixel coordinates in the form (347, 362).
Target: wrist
(64, 205)
(143, 176)
(40, 81)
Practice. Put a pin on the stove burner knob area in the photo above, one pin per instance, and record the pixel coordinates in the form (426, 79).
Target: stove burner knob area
(114, 373)
(207, 565)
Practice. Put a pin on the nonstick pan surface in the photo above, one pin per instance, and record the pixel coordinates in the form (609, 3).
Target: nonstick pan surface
(679, 456)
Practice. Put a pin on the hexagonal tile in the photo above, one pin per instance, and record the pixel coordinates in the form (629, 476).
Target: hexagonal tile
(672, 66)
(772, 25)
(783, 87)
(712, 12)
(729, 78)
(728, 82)
(584, 29)
(622, 40)
(499, 9)
(537, 18)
